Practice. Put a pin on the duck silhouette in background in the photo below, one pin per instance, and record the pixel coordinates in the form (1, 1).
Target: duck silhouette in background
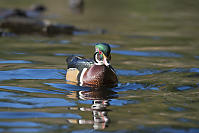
(76, 6)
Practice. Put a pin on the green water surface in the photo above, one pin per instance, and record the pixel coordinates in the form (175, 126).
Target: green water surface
(154, 51)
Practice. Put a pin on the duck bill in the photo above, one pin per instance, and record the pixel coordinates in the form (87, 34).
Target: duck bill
(105, 60)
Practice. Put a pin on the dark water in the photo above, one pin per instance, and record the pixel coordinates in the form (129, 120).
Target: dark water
(155, 54)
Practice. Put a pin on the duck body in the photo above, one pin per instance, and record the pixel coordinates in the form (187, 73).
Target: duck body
(86, 72)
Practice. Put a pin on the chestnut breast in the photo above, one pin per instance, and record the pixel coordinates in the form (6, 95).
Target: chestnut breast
(99, 76)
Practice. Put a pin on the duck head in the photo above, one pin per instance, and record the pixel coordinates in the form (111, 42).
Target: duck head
(102, 54)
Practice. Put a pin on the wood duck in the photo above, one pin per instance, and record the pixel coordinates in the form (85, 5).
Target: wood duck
(96, 72)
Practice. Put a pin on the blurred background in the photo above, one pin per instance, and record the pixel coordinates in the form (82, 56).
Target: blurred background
(154, 51)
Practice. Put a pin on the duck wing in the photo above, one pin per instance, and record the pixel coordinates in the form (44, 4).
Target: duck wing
(78, 62)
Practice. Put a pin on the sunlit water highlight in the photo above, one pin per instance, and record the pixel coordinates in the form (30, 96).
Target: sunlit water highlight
(13, 61)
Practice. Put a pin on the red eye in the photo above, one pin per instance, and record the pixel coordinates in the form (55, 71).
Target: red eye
(100, 52)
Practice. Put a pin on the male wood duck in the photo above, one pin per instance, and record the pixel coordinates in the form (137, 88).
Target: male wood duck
(96, 72)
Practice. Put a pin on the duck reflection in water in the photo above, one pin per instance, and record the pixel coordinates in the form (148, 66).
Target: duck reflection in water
(101, 98)
(98, 74)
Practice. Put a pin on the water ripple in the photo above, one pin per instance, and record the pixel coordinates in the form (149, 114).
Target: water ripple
(7, 94)
(145, 37)
(177, 109)
(119, 102)
(134, 86)
(143, 72)
(147, 53)
(68, 87)
(25, 130)
(183, 88)
(32, 74)
(197, 57)
(22, 115)
(95, 131)
(160, 129)
(20, 124)
(136, 72)
(53, 41)
(30, 90)
(13, 105)
(31, 102)
(14, 62)
(64, 54)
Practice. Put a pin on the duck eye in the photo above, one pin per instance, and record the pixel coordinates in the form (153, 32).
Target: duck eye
(100, 52)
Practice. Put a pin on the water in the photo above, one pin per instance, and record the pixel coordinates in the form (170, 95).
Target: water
(155, 54)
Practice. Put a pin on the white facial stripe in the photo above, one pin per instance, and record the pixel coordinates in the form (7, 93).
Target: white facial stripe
(98, 61)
